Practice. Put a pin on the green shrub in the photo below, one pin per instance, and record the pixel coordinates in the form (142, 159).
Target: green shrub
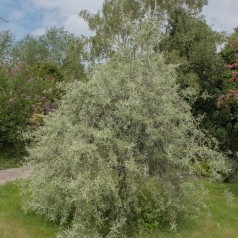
(112, 155)
(23, 94)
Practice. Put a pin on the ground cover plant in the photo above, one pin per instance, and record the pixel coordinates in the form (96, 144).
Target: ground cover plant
(112, 156)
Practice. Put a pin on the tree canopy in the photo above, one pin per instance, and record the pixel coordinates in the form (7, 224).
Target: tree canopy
(109, 22)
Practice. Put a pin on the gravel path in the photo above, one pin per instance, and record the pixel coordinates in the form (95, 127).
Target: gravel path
(8, 175)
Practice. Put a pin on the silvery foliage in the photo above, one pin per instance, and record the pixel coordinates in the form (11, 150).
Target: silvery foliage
(114, 152)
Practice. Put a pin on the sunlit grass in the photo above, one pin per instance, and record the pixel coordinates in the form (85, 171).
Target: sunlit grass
(14, 223)
(223, 222)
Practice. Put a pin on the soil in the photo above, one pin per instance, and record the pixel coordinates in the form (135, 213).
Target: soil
(8, 175)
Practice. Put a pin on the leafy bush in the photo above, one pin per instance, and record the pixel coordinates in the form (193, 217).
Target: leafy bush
(56, 46)
(30, 72)
(112, 155)
(14, 107)
(23, 94)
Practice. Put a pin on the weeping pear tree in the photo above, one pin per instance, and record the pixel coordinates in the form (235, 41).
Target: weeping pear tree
(188, 41)
(110, 159)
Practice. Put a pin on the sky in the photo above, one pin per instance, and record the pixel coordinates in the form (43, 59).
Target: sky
(35, 16)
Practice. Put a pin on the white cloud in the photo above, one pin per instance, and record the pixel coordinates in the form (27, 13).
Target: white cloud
(16, 15)
(33, 16)
(68, 6)
(52, 18)
(222, 15)
(39, 31)
(64, 13)
(76, 25)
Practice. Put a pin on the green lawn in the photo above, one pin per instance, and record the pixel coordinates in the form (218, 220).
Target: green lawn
(223, 223)
(14, 223)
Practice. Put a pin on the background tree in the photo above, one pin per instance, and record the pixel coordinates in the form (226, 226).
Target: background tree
(25, 98)
(56, 46)
(32, 70)
(6, 41)
(230, 50)
(109, 22)
(192, 44)
(230, 87)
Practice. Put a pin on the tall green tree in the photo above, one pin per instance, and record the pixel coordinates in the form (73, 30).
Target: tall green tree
(192, 44)
(31, 70)
(230, 50)
(56, 46)
(230, 87)
(25, 97)
(110, 21)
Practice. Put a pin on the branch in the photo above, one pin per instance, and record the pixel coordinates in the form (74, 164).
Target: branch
(4, 20)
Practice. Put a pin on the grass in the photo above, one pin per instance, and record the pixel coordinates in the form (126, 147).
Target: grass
(222, 224)
(14, 223)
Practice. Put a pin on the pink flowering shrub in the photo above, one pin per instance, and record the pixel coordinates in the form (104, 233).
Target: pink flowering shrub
(233, 67)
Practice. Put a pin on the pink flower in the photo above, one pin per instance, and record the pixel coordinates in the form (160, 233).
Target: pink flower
(234, 93)
(234, 74)
(220, 99)
(234, 77)
(230, 66)
(232, 80)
